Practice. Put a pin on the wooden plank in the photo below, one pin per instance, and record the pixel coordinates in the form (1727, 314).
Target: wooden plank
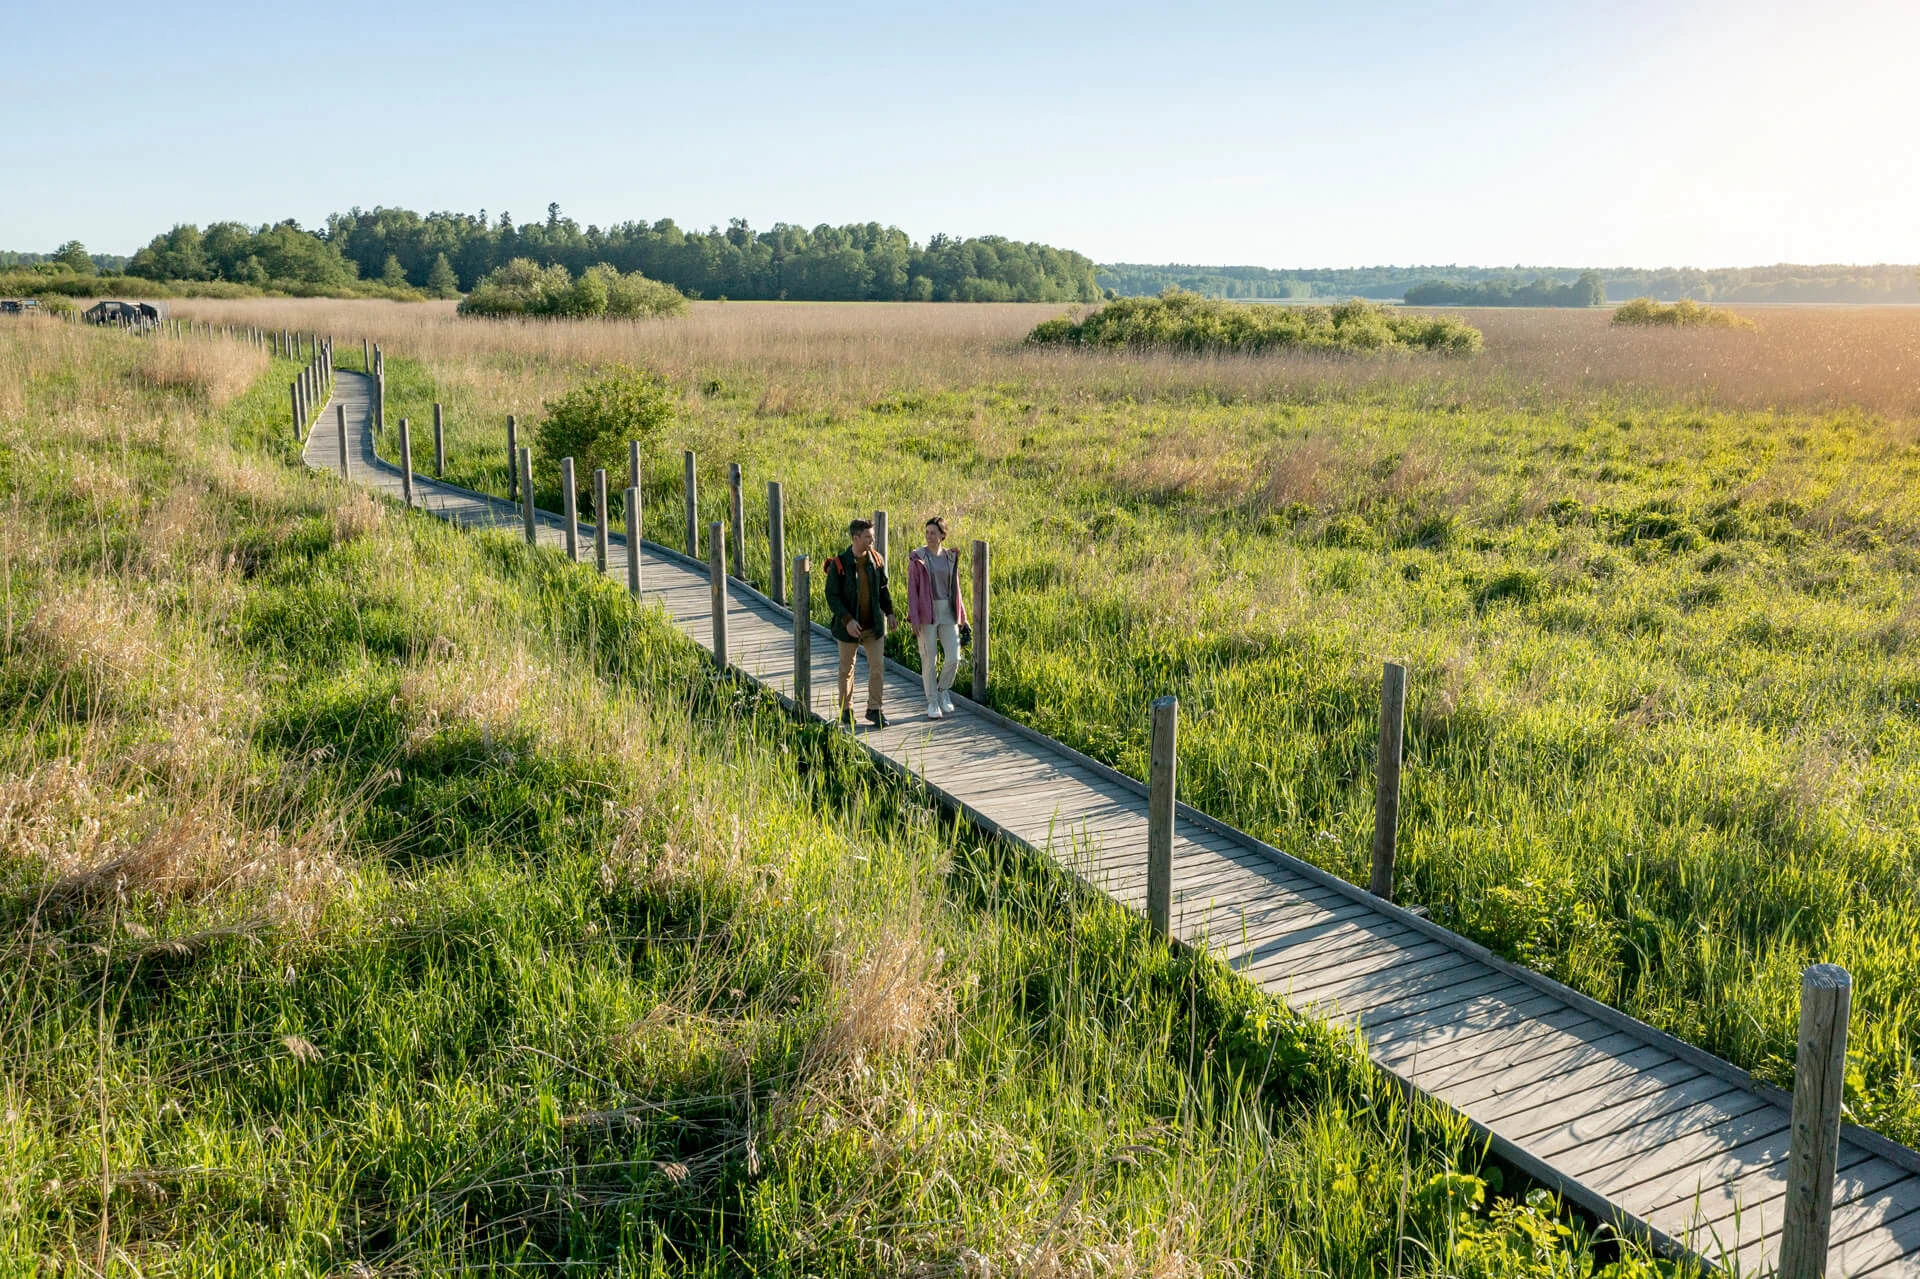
(1681, 1125)
(1504, 1101)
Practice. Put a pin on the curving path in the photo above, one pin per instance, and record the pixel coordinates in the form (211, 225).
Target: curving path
(1634, 1125)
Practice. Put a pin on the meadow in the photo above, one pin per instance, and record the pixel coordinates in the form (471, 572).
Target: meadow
(384, 900)
(1656, 589)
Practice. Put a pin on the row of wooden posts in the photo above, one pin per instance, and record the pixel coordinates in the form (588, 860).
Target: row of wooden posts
(1826, 989)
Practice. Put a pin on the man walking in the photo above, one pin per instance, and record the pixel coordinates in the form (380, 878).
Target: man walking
(857, 594)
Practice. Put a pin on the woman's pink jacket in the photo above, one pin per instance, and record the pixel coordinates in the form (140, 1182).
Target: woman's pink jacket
(920, 589)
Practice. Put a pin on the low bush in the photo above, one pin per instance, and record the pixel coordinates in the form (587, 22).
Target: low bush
(524, 287)
(1181, 321)
(1684, 314)
(593, 422)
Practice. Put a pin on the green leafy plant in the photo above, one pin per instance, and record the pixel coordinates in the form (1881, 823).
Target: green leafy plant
(1684, 314)
(593, 422)
(1182, 321)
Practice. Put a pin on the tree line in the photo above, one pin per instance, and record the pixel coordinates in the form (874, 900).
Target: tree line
(444, 253)
(1588, 290)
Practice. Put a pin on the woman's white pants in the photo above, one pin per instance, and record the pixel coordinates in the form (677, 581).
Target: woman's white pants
(937, 677)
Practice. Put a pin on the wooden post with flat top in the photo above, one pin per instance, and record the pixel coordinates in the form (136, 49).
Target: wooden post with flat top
(513, 455)
(600, 519)
(406, 463)
(737, 512)
(1386, 800)
(717, 570)
(981, 563)
(570, 506)
(693, 510)
(802, 638)
(439, 442)
(526, 496)
(293, 397)
(1163, 766)
(633, 464)
(1813, 1142)
(340, 430)
(776, 542)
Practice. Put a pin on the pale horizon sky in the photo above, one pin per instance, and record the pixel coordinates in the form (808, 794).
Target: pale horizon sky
(1708, 133)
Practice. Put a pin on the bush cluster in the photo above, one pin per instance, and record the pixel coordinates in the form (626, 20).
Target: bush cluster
(1684, 314)
(524, 287)
(1177, 320)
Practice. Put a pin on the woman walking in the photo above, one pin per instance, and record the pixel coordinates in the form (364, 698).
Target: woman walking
(936, 612)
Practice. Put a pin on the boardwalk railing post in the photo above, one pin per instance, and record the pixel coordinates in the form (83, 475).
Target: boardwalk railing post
(439, 443)
(693, 510)
(600, 519)
(293, 397)
(570, 505)
(513, 455)
(979, 611)
(717, 570)
(738, 514)
(526, 496)
(776, 542)
(802, 638)
(366, 356)
(340, 430)
(1163, 766)
(633, 464)
(406, 463)
(880, 534)
(1813, 1144)
(1386, 801)
(633, 540)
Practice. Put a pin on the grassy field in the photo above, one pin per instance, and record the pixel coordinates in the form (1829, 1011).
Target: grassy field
(386, 900)
(1657, 590)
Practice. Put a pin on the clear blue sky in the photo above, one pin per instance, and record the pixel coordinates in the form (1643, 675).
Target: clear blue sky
(1628, 133)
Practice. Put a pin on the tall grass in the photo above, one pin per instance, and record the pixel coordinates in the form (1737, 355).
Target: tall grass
(388, 900)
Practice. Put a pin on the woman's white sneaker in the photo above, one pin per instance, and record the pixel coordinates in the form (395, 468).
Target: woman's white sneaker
(933, 710)
(946, 701)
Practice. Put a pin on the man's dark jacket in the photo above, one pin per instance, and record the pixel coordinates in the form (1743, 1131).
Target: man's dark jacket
(843, 591)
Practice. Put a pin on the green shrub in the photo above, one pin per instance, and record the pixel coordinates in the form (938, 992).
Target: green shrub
(524, 287)
(1182, 321)
(593, 422)
(1684, 314)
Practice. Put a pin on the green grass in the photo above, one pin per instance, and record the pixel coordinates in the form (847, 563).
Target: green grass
(393, 900)
(1664, 722)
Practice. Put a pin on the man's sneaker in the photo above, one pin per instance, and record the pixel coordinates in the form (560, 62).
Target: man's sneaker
(846, 716)
(946, 701)
(933, 710)
(877, 719)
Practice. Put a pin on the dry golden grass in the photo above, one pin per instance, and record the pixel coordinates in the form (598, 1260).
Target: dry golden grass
(829, 355)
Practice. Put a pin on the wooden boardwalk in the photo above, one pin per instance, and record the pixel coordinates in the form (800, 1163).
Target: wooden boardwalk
(1628, 1122)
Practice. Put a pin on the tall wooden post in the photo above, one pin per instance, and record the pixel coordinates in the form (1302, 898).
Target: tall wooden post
(513, 454)
(340, 430)
(693, 511)
(570, 505)
(439, 442)
(1163, 766)
(633, 540)
(406, 463)
(979, 610)
(526, 497)
(1386, 800)
(802, 637)
(600, 519)
(776, 542)
(880, 543)
(1813, 1144)
(366, 356)
(717, 570)
(737, 511)
(293, 398)
(633, 464)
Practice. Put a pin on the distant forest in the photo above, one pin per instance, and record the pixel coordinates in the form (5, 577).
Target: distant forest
(1544, 291)
(440, 252)
(1780, 283)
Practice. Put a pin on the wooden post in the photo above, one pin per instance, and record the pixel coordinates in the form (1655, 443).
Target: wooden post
(513, 453)
(776, 542)
(1386, 800)
(526, 496)
(366, 356)
(981, 563)
(439, 442)
(633, 464)
(600, 519)
(717, 570)
(293, 396)
(1813, 1146)
(1162, 767)
(633, 540)
(802, 638)
(406, 463)
(880, 535)
(737, 508)
(570, 505)
(693, 509)
(340, 430)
